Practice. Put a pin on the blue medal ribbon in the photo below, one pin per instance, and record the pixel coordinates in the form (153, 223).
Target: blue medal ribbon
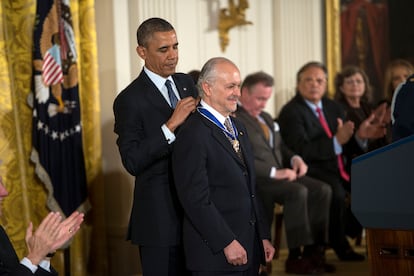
(209, 116)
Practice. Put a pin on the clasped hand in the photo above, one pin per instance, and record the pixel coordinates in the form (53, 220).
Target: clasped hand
(182, 110)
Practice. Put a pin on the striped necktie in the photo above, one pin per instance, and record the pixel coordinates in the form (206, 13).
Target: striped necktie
(171, 94)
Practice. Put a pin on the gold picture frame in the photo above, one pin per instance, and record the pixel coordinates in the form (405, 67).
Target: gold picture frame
(333, 41)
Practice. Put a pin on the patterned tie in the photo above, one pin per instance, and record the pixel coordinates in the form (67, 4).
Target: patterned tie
(328, 132)
(171, 94)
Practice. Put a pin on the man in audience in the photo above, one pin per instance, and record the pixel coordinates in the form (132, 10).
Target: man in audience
(281, 177)
(51, 234)
(312, 126)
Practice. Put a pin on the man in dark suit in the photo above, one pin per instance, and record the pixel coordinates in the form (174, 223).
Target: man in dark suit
(403, 110)
(281, 178)
(224, 233)
(51, 234)
(147, 115)
(312, 125)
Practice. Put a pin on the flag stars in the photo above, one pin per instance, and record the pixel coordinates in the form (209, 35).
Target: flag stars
(61, 135)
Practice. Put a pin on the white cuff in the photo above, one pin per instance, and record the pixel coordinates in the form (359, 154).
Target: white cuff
(273, 172)
(169, 136)
(27, 263)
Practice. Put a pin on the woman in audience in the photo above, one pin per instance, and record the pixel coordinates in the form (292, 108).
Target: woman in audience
(397, 72)
(353, 92)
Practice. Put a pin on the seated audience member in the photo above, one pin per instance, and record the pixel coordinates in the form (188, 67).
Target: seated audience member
(194, 74)
(353, 91)
(51, 234)
(313, 126)
(396, 73)
(403, 110)
(281, 177)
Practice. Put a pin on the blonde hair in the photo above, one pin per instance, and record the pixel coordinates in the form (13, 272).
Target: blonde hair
(388, 88)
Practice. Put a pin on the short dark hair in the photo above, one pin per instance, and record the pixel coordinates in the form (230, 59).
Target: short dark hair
(311, 64)
(149, 27)
(255, 78)
(347, 72)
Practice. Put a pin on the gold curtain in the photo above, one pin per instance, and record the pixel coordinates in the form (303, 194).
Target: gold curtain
(27, 195)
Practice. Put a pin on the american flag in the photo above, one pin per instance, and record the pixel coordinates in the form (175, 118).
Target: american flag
(57, 149)
(52, 67)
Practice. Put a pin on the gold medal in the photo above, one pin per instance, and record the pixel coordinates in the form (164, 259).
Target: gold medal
(236, 145)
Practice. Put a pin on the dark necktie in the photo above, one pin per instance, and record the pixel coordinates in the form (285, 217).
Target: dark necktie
(328, 132)
(171, 94)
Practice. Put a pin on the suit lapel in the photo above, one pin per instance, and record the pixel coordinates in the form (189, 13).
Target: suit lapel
(313, 118)
(222, 139)
(276, 140)
(152, 93)
(153, 96)
(248, 162)
(330, 118)
(252, 122)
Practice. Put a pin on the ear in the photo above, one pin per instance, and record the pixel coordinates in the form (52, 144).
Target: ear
(206, 88)
(141, 51)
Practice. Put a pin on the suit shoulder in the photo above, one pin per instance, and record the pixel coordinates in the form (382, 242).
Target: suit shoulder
(291, 105)
(193, 122)
(240, 125)
(183, 77)
(331, 104)
(265, 115)
(131, 89)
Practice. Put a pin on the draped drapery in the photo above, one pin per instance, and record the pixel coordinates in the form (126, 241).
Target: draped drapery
(27, 195)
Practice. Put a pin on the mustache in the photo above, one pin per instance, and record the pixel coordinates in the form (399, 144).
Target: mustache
(233, 97)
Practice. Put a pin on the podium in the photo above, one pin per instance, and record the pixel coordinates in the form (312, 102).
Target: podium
(382, 184)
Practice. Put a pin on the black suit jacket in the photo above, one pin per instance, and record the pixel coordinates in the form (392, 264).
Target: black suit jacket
(9, 263)
(140, 110)
(403, 111)
(218, 194)
(303, 133)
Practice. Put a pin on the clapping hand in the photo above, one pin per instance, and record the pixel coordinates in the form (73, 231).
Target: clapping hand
(51, 234)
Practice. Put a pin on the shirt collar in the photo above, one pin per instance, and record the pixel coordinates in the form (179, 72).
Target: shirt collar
(157, 79)
(215, 113)
(314, 106)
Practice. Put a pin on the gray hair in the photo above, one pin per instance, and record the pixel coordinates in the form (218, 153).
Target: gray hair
(208, 73)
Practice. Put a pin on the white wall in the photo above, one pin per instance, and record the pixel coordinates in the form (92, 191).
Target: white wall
(284, 35)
